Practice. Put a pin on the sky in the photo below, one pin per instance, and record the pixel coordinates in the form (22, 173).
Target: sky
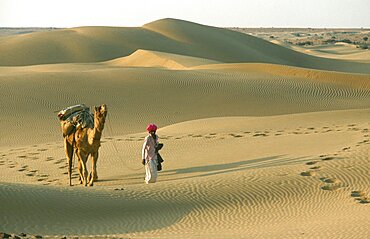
(220, 13)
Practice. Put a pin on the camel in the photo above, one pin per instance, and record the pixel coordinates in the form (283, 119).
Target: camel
(85, 142)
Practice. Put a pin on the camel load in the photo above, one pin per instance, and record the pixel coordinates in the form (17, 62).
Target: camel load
(75, 116)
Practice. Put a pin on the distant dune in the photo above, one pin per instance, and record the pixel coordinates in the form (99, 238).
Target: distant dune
(94, 44)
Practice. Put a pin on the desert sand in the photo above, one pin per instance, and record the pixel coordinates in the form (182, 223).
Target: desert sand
(260, 140)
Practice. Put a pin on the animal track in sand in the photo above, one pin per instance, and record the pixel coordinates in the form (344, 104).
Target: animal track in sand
(315, 167)
(311, 163)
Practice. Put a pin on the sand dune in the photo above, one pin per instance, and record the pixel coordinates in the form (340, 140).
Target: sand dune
(342, 51)
(143, 58)
(35, 92)
(93, 44)
(256, 144)
(251, 175)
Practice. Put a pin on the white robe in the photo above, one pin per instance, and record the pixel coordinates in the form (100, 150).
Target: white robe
(150, 156)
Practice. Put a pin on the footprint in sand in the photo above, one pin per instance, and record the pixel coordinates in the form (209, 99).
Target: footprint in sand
(315, 167)
(357, 194)
(311, 162)
(236, 135)
(330, 187)
(308, 173)
(42, 150)
(197, 136)
(23, 168)
(260, 134)
(22, 156)
(360, 197)
(330, 180)
(49, 158)
(59, 161)
(327, 158)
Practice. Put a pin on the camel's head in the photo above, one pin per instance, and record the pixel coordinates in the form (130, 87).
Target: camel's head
(100, 112)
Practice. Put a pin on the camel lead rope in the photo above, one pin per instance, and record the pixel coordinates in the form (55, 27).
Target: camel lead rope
(115, 147)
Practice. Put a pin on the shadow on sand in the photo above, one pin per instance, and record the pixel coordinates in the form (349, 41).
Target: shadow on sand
(215, 169)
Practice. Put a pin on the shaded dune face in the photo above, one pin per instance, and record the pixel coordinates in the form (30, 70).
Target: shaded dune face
(94, 44)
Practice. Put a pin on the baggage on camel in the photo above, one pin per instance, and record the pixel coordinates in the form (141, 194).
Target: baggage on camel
(75, 116)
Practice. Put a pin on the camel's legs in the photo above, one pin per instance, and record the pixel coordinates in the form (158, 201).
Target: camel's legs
(69, 154)
(83, 158)
(94, 173)
(80, 176)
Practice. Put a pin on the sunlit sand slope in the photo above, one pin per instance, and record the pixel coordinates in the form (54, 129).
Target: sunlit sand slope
(282, 177)
(31, 95)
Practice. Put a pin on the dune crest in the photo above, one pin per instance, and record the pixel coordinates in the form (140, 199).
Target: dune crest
(145, 58)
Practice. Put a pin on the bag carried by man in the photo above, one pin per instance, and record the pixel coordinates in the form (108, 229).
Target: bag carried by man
(159, 157)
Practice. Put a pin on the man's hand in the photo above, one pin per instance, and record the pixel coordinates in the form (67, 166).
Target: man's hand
(143, 162)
